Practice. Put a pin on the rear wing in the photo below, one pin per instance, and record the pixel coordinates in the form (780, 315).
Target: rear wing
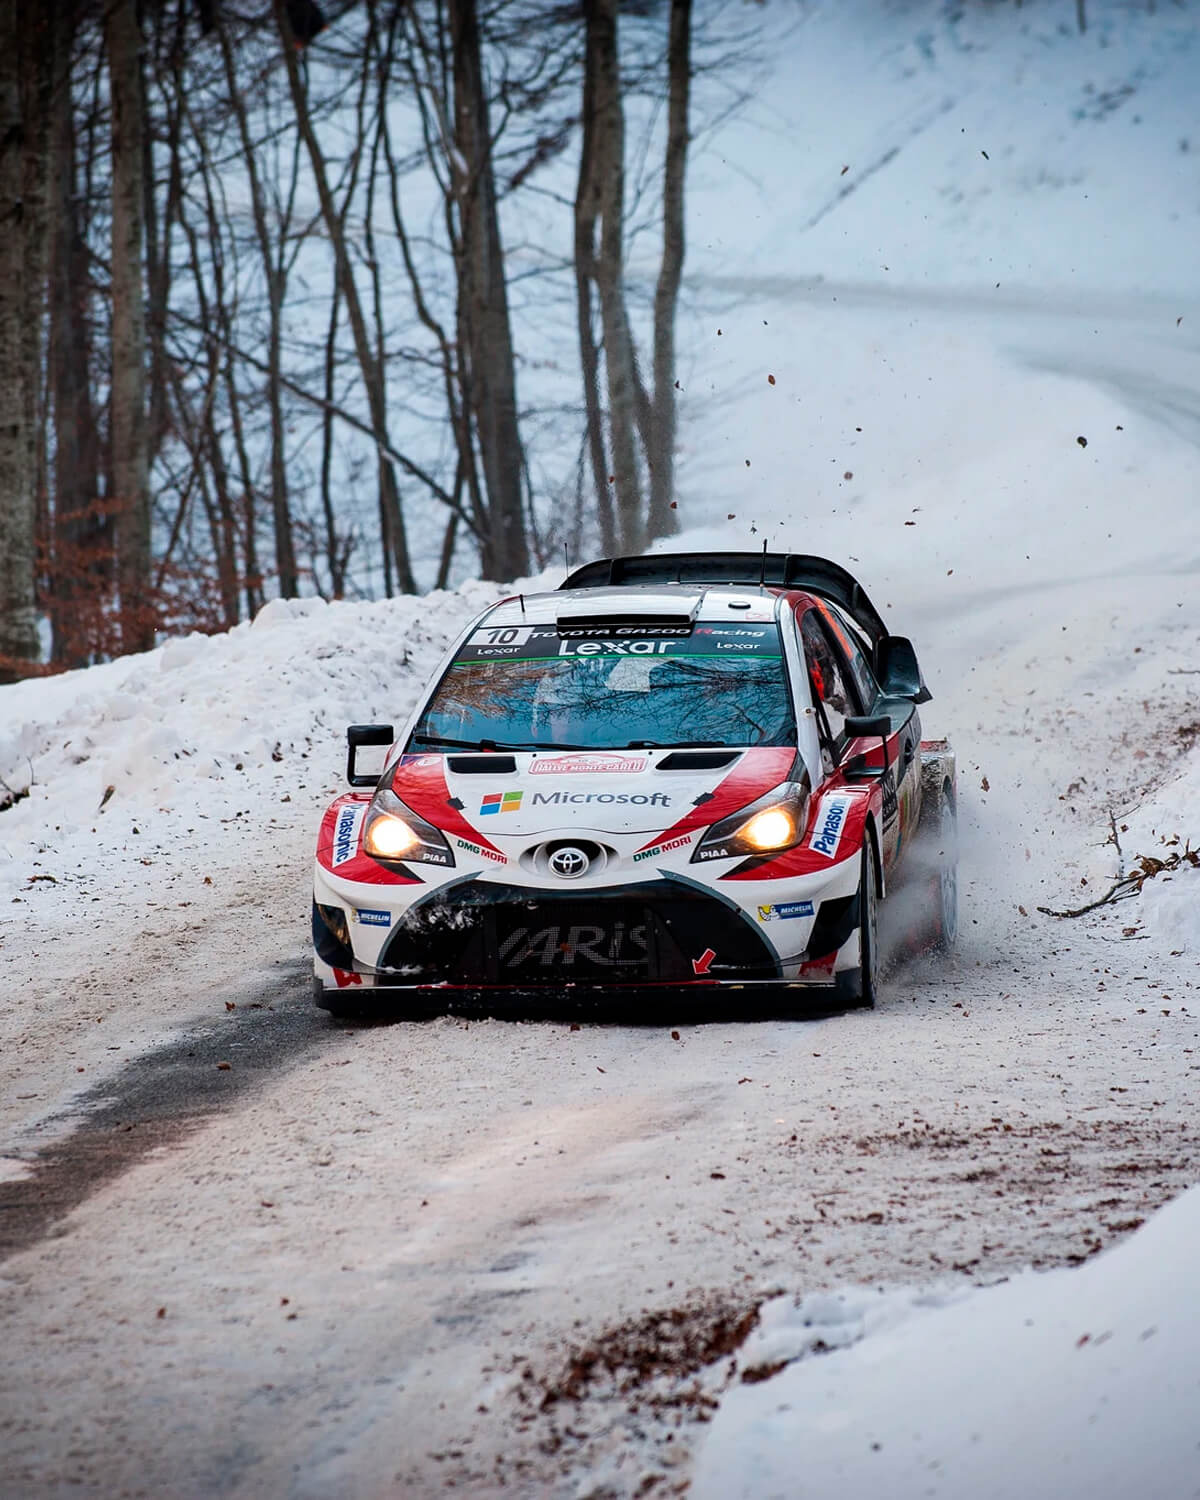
(779, 570)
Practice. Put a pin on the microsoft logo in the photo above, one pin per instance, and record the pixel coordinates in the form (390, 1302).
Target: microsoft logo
(497, 802)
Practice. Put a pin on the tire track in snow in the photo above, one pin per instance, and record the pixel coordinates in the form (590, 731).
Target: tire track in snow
(158, 1098)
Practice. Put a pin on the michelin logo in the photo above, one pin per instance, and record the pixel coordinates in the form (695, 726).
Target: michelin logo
(785, 909)
(345, 835)
(831, 820)
(372, 918)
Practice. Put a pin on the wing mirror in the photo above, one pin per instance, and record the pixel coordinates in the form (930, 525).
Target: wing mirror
(365, 734)
(897, 670)
(861, 728)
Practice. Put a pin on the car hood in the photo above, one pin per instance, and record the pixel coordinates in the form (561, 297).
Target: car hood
(620, 792)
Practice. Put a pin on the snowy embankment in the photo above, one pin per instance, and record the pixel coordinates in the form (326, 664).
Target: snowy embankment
(1075, 1383)
(161, 819)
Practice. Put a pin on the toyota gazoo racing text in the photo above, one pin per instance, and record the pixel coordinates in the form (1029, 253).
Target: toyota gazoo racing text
(685, 770)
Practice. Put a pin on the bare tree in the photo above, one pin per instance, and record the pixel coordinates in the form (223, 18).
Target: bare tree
(603, 202)
(130, 456)
(395, 538)
(661, 519)
(276, 279)
(18, 621)
(489, 372)
(587, 211)
(80, 549)
(187, 387)
(640, 424)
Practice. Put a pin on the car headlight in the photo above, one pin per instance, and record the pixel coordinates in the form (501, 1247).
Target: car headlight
(394, 834)
(770, 824)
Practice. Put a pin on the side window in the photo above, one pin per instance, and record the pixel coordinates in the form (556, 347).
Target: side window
(856, 656)
(834, 698)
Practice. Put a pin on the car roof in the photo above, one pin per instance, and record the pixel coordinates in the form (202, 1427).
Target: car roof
(654, 604)
(758, 571)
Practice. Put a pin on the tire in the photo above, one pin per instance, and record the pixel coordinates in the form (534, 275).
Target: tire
(937, 839)
(860, 986)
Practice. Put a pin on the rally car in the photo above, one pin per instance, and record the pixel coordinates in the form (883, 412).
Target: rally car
(680, 771)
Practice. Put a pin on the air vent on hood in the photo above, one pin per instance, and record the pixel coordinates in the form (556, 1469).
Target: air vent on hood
(482, 765)
(697, 760)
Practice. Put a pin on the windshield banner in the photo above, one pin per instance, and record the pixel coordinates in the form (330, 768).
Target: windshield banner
(543, 642)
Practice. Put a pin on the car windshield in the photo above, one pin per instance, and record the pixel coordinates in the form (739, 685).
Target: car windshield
(717, 685)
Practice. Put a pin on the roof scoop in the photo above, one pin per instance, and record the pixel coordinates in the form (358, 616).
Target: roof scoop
(623, 625)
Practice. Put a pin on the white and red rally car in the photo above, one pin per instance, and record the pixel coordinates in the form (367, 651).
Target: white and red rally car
(684, 770)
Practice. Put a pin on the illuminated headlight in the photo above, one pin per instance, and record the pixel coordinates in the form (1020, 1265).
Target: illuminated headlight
(770, 824)
(394, 833)
(773, 829)
(389, 837)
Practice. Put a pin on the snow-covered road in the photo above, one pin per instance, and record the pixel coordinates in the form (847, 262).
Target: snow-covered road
(381, 1260)
(335, 1283)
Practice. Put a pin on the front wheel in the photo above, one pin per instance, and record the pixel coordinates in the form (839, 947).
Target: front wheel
(860, 985)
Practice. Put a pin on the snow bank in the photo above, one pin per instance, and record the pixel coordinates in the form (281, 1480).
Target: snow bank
(1165, 827)
(1061, 1384)
(167, 805)
(207, 728)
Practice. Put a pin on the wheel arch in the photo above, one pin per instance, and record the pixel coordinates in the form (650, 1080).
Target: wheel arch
(871, 835)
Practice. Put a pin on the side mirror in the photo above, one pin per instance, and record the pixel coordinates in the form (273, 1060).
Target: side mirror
(897, 670)
(365, 734)
(860, 728)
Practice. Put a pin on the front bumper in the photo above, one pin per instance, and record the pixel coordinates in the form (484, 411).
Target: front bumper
(476, 933)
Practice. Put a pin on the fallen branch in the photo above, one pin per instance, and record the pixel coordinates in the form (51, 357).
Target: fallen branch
(1131, 884)
(1114, 839)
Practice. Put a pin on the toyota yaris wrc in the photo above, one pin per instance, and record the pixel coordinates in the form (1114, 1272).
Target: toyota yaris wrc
(680, 771)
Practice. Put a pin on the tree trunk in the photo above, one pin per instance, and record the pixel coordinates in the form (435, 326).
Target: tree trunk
(252, 577)
(81, 566)
(483, 301)
(285, 550)
(215, 315)
(661, 519)
(130, 468)
(335, 545)
(455, 364)
(37, 82)
(18, 619)
(601, 61)
(158, 227)
(587, 208)
(371, 373)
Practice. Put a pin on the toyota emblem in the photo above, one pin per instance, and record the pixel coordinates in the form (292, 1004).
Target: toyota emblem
(570, 863)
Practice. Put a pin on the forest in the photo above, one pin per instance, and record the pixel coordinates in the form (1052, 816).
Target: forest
(343, 299)
(258, 291)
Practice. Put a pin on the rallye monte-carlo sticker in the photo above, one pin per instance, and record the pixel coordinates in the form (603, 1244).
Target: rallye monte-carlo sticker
(588, 764)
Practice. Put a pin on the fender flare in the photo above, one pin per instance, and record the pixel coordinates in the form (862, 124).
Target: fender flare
(871, 833)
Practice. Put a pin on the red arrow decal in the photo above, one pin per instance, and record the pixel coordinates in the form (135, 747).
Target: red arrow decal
(700, 965)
